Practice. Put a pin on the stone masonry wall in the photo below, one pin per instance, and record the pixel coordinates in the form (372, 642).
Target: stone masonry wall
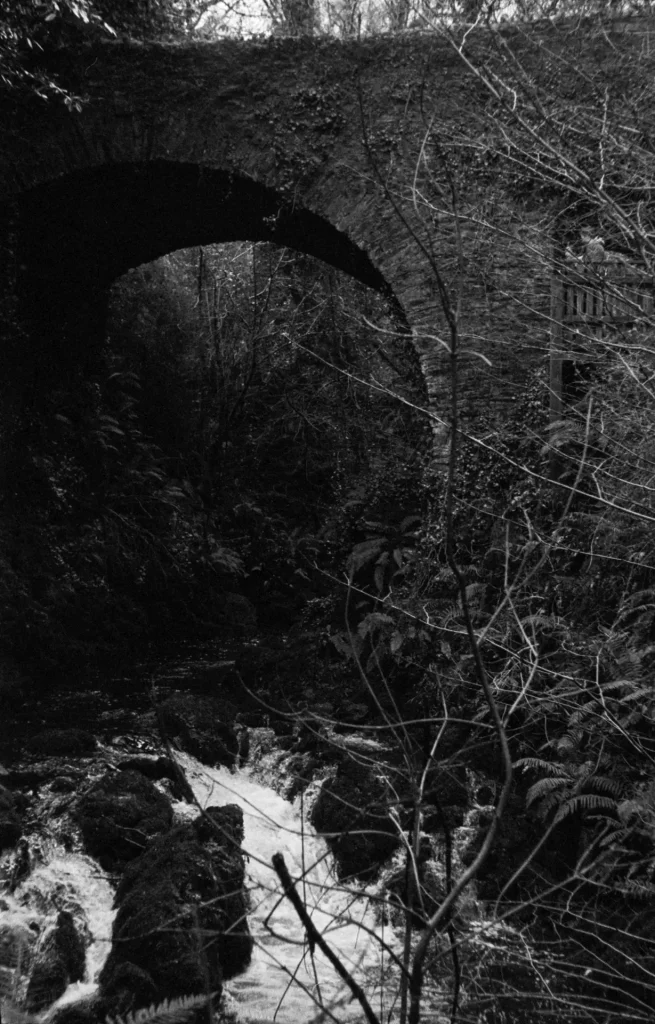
(308, 143)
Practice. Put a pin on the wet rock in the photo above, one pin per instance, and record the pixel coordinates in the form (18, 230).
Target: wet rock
(21, 864)
(119, 814)
(181, 924)
(17, 942)
(128, 986)
(300, 770)
(11, 828)
(87, 1011)
(39, 958)
(10, 819)
(352, 813)
(64, 784)
(59, 960)
(225, 822)
(152, 767)
(55, 742)
(204, 727)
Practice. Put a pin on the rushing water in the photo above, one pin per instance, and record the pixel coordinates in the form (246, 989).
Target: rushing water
(62, 881)
(284, 982)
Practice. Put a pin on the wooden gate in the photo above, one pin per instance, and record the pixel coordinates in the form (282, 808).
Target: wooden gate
(587, 304)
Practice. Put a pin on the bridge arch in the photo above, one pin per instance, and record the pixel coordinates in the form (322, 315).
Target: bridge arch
(176, 146)
(81, 232)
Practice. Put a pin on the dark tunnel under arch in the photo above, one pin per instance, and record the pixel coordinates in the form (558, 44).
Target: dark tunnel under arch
(80, 233)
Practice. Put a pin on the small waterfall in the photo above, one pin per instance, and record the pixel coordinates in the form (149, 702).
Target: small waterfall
(61, 882)
(284, 983)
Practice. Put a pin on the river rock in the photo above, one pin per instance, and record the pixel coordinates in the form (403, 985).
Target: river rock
(86, 1011)
(59, 959)
(351, 811)
(202, 726)
(39, 958)
(119, 814)
(181, 924)
(10, 820)
(152, 767)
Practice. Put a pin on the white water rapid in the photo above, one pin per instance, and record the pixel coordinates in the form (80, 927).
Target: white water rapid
(284, 983)
(61, 881)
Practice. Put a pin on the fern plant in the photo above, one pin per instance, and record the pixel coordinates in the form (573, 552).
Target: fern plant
(170, 1011)
(384, 552)
(566, 789)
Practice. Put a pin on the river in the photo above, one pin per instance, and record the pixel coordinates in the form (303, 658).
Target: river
(285, 981)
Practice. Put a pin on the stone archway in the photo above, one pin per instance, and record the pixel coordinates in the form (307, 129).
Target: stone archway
(81, 232)
(183, 145)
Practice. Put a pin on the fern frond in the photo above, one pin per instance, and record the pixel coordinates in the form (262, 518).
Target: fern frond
(642, 691)
(632, 718)
(628, 613)
(552, 802)
(537, 764)
(616, 837)
(602, 784)
(618, 684)
(545, 786)
(171, 1011)
(589, 802)
(542, 621)
(590, 708)
(365, 552)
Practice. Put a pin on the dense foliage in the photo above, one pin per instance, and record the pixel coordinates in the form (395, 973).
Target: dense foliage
(225, 444)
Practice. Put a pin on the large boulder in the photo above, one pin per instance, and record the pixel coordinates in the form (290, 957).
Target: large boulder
(119, 814)
(181, 924)
(352, 812)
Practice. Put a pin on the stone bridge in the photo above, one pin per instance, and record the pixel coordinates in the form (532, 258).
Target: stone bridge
(311, 144)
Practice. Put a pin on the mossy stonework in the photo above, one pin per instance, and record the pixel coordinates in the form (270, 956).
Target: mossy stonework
(309, 143)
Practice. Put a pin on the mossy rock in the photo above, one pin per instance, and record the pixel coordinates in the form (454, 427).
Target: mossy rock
(352, 813)
(119, 814)
(59, 960)
(86, 1011)
(203, 726)
(181, 923)
(11, 828)
(154, 768)
(10, 821)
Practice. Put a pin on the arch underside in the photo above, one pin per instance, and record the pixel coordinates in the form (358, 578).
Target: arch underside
(81, 232)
